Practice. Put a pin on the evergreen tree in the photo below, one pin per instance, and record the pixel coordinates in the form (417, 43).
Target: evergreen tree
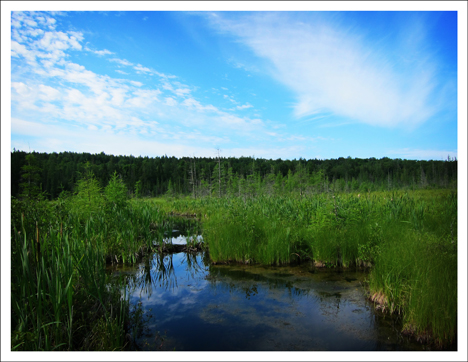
(88, 199)
(31, 187)
(116, 191)
(278, 186)
(138, 189)
(170, 189)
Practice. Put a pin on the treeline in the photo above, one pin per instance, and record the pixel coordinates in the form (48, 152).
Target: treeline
(226, 176)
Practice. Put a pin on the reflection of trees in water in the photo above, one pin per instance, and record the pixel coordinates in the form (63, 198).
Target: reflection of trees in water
(159, 272)
(193, 266)
(236, 280)
(155, 272)
(176, 226)
(250, 291)
(329, 303)
(162, 271)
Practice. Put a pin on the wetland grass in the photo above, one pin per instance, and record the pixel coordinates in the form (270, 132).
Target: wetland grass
(62, 298)
(61, 295)
(408, 238)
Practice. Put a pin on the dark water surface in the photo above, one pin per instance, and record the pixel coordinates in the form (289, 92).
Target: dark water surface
(191, 305)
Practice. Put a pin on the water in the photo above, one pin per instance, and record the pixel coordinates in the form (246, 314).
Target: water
(190, 305)
(178, 239)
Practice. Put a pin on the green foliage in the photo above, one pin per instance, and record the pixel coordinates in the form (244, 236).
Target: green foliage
(116, 192)
(88, 199)
(60, 292)
(31, 179)
(409, 239)
(199, 176)
(138, 189)
(371, 248)
(417, 266)
(170, 189)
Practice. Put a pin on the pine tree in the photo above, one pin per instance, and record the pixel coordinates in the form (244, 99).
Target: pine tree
(116, 191)
(30, 186)
(88, 198)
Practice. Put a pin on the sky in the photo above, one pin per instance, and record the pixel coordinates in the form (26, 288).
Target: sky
(267, 84)
(189, 81)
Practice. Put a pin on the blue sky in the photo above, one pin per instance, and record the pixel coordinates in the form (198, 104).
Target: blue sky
(292, 84)
(308, 84)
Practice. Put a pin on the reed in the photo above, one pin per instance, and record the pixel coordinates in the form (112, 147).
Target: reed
(61, 295)
(408, 238)
(58, 293)
(62, 298)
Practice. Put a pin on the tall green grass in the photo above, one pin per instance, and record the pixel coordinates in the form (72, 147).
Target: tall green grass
(61, 296)
(416, 270)
(59, 289)
(409, 238)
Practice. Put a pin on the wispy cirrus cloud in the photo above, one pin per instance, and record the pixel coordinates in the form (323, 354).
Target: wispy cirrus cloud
(66, 99)
(121, 61)
(244, 106)
(333, 68)
(99, 52)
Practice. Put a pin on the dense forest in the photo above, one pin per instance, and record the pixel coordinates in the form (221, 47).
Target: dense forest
(220, 176)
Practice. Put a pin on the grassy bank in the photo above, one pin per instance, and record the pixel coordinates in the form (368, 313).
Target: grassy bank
(61, 295)
(62, 298)
(408, 237)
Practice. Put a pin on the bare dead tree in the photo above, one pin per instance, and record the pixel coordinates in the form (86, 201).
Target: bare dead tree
(193, 177)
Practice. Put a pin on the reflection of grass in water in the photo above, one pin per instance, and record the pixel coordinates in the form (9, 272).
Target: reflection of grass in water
(408, 237)
(269, 312)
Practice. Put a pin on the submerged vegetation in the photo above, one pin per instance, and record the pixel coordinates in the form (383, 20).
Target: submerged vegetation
(62, 297)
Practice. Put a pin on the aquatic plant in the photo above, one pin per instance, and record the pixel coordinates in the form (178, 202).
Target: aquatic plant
(408, 238)
(60, 249)
(60, 293)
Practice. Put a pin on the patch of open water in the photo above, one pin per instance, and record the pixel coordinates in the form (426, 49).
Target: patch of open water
(191, 305)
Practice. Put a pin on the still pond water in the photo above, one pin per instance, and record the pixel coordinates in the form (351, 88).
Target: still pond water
(190, 305)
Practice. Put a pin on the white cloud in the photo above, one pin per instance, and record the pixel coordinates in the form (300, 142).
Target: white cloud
(53, 41)
(20, 88)
(229, 98)
(56, 138)
(20, 50)
(102, 52)
(143, 98)
(35, 32)
(332, 69)
(118, 96)
(121, 61)
(170, 101)
(194, 104)
(244, 106)
(182, 91)
(52, 94)
(141, 69)
(48, 93)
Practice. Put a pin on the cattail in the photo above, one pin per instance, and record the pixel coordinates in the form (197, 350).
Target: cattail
(38, 244)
